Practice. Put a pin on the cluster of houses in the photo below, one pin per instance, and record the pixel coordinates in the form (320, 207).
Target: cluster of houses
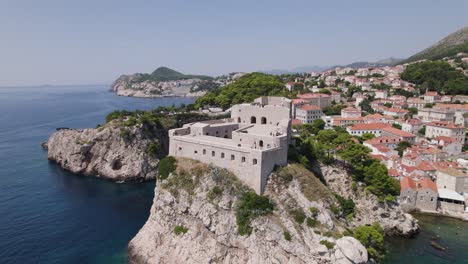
(433, 170)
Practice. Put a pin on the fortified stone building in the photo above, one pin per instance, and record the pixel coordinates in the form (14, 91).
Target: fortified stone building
(250, 143)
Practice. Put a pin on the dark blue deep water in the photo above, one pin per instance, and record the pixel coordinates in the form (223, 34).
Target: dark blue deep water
(46, 214)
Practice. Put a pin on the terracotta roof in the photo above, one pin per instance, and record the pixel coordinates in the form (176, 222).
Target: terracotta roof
(312, 95)
(351, 109)
(444, 124)
(298, 101)
(425, 166)
(296, 122)
(373, 116)
(454, 172)
(396, 110)
(414, 121)
(382, 140)
(309, 107)
(378, 156)
(397, 132)
(428, 93)
(446, 140)
(376, 126)
(425, 183)
(393, 172)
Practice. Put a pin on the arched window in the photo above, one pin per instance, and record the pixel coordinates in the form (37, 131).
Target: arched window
(260, 143)
(264, 120)
(253, 120)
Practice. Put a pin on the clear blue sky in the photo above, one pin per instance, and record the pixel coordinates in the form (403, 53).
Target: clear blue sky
(94, 41)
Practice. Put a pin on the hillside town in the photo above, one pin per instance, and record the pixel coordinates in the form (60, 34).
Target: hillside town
(419, 135)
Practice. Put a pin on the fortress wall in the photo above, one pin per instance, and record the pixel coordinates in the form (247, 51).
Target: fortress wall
(222, 156)
(272, 114)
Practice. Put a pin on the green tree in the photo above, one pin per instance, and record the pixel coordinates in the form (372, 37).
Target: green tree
(402, 145)
(372, 237)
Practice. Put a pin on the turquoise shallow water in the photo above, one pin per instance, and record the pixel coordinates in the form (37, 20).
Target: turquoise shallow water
(452, 233)
(48, 215)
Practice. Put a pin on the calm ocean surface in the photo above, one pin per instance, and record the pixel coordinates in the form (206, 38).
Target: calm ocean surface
(50, 216)
(46, 214)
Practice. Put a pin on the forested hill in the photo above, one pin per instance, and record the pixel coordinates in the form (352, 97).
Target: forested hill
(166, 74)
(436, 76)
(448, 46)
(245, 89)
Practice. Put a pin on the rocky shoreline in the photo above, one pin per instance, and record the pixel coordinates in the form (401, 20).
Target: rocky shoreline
(186, 200)
(111, 152)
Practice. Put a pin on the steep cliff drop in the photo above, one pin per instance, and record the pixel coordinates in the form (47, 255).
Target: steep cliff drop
(198, 216)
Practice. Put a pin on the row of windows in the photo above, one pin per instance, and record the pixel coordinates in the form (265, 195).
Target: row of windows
(233, 157)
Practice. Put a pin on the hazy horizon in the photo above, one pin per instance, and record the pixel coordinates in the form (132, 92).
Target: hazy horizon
(93, 42)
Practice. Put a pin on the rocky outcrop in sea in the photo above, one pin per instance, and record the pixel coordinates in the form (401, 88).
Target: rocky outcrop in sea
(113, 151)
(128, 85)
(193, 220)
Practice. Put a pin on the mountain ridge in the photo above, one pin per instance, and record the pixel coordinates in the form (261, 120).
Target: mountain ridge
(448, 46)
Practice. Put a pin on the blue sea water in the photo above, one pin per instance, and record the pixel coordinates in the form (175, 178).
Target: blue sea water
(48, 215)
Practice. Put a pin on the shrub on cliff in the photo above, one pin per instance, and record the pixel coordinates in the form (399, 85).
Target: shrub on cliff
(166, 166)
(372, 237)
(250, 206)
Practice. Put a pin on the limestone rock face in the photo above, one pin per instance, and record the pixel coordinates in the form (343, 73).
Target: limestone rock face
(349, 250)
(369, 210)
(110, 152)
(212, 235)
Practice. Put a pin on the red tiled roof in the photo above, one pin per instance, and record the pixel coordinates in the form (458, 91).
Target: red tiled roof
(298, 101)
(376, 126)
(296, 122)
(312, 95)
(382, 140)
(444, 124)
(309, 107)
(425, 166)
(393, 172)
(447, 140)
(396, 110)
(373, 116)
(428, 93)
(351, 109)
(397, 132)
(425, 183)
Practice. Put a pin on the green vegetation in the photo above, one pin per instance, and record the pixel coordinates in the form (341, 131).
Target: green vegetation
(333, 110)
(153, 149)
(250, 206)
(298, 215)
(178, 229)
(311, 222)
(346, 205)
(312, 128)
(422, 131)
(372, 237)
(287, 235)
(245, 89)
(397, 126)
(126, 135)
(436, 76)
(445, 48)
(402, 145)
(182, 180)
(327, 243)
(167, 165)
(166, 74)
(215, 192)
(365, 169)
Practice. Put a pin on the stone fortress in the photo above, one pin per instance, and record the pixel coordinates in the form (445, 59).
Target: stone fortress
(250, 143)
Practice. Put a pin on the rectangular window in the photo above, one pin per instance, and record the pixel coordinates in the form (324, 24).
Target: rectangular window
(212, 153)
(243, 159)
(204, 152)
(232, 157)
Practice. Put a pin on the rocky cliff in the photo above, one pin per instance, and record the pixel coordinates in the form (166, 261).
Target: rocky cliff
(369, 210)
(195, 219)
(114, 151)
